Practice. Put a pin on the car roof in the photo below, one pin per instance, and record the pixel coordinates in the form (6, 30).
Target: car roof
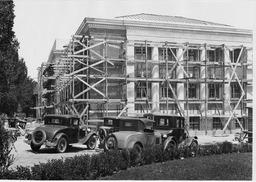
(162, 114)
(145, 120)
(61, 116)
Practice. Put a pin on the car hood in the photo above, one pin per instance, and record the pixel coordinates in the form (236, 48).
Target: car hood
(51, 130)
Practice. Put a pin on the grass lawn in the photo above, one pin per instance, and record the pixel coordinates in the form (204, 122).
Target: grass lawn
(236, 166)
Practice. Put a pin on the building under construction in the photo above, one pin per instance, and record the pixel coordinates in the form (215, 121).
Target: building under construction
(142, 63)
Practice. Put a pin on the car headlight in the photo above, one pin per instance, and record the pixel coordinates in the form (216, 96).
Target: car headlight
(164, 136)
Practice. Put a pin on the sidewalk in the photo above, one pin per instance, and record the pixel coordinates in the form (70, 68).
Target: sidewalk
(206, 139)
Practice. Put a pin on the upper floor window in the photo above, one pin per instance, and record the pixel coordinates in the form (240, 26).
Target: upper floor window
(192, 55)
(167, 54)
(141, 71)
(214, 91)
(235, 90)
(215, 55)
(165, 90)
(193, 72)
(140, 53)
(141, 90)
(234, 54)
(193, 89)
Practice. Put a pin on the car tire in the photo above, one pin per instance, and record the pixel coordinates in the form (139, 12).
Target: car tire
(92, 142)
(62, 145)
(110, 143)
(38, 137)
(34, 147)
(170, 148)
(102, 134)
(193, 148)
(138, 149)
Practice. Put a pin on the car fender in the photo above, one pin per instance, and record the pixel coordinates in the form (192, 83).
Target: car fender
(168, 140)
(58, 136)
(132, 143)
(88, 136)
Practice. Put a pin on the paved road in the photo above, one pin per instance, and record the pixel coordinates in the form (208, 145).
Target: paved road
(26, 157)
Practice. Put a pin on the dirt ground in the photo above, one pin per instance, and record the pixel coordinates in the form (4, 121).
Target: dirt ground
(24, 156)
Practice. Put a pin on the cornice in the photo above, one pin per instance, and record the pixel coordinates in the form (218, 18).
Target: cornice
(175, 27)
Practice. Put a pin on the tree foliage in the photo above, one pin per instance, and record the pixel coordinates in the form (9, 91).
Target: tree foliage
(13, 71)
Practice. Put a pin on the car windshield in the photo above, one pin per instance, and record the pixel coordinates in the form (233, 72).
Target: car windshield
(54, 121)
(108, 122)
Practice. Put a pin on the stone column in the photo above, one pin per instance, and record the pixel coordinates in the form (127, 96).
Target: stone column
(203, 91)
(130, 88)
(180, 75)
(227, 88)
(155, 74)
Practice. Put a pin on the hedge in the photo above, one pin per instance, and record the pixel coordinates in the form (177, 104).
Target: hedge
(91, 167)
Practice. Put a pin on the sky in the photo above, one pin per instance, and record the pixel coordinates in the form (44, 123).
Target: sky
(39, 22)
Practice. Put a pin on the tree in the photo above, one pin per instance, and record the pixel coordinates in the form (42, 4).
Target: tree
(13, 71)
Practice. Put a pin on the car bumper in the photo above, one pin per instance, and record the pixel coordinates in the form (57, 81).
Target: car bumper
(47, 143)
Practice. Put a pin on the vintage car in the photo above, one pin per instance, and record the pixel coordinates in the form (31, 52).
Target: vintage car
(110, 125)
(135, 133)
(172, 129)
(59, 131)
(141, 133)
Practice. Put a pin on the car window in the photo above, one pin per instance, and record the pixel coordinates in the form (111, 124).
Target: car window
(109, 122)
(129, 126)
(54, 121)
(75, 122)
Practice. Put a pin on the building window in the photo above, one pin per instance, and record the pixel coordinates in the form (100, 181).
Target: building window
(235, 90)
(194, 123)
(192, 90)
(215, 55)
(215, 72)
(140, 53)
(216, 123)
(214, 90)
(166, 54)
(140, 70)
(165, 90)
(162, 71)
(141, 90)
(234, 55)
(242, 122)
(193, 72)
(192, 55)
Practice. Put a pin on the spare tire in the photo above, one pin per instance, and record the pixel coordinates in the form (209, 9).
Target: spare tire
(38, 137)
(102, 134)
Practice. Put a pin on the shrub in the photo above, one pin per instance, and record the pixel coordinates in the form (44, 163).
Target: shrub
(86, 167)
(6, 146)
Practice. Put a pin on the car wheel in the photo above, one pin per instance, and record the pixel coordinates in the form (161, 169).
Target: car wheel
(38, 137)
(138, 152)
(102, 134)
(193, 148)
(91, 143)
(110, 143)
(35, 148)
(171, 146)
(62, 145)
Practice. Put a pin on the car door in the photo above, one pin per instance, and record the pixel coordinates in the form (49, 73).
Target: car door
(73, 130)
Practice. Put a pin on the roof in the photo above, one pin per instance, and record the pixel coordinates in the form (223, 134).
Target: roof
(168, 19)
(145, 120)
(162, 114)
(61, 116)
